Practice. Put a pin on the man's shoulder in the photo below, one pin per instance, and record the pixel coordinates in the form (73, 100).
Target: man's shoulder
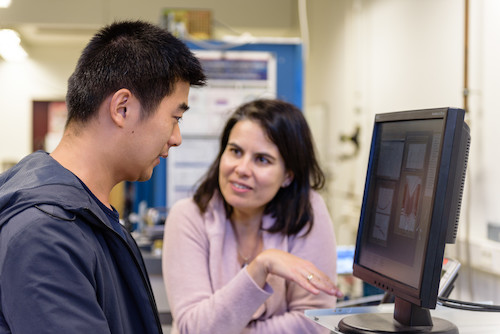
(37, 219)
(42, 227)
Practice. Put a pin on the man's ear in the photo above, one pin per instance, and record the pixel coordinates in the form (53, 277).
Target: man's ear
(118, 106)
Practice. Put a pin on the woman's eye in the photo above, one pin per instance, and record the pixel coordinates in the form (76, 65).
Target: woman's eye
(234, 150)
(178, 118)
(263, 160)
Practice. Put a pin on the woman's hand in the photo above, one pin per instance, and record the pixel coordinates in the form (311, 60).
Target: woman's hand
(291, 268)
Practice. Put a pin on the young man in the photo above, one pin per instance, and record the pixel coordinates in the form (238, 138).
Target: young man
(66, 263)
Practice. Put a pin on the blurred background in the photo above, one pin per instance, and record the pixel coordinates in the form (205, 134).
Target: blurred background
(341, 61)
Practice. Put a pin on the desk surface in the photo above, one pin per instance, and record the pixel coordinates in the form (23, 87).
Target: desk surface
(468, 322)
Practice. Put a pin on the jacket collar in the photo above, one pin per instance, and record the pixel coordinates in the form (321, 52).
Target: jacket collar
(39, 179)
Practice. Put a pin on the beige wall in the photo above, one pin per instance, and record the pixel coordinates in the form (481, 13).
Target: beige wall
(363, 57)
(369, 57)
(55, 32)
(375, 56)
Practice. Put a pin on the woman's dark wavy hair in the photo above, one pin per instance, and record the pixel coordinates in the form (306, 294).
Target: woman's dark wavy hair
(136, 55)
(287, 128)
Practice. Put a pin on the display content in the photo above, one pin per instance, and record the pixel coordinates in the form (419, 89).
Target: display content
(402, 190)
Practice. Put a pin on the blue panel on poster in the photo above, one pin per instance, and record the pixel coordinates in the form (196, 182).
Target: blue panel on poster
(289, 67)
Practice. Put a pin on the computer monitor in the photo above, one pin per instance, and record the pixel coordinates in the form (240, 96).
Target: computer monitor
(410, 210)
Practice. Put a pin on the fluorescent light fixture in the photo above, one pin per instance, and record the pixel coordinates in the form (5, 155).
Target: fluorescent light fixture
(10, 45)
(5, 3)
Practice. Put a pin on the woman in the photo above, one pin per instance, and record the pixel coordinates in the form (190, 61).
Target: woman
(254, 247)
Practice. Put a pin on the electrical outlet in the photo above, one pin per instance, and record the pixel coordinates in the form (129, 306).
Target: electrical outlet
(494, 231)
(482, 254)
(485, 258)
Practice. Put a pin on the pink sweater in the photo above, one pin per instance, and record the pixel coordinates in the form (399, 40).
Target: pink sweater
(209, 292)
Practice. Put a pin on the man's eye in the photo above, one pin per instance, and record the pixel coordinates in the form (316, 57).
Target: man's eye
(178, 118)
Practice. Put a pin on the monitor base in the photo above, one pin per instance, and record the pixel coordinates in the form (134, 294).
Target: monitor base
(369, 323)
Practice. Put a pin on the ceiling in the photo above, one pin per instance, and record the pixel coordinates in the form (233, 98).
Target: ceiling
(74, 22)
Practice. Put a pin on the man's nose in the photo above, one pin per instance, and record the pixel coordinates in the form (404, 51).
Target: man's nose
(176, 137)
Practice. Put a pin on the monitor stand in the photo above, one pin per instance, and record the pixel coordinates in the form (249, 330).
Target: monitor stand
(407, 318)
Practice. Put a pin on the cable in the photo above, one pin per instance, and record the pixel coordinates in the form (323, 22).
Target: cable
(304, 29)
(222, 46)
(469, 306)
(228, 27)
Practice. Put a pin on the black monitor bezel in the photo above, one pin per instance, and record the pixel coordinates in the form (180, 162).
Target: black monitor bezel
(426, 294)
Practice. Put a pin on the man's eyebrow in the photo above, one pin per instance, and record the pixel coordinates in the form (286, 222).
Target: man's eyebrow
(184, 107)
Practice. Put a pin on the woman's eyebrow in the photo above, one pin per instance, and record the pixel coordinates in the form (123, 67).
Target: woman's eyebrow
(234, 145)
(262, 154)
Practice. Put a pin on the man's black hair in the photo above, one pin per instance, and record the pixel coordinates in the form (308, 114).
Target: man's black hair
(135, 55)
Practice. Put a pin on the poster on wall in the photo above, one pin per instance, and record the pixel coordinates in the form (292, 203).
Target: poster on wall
(234, 77)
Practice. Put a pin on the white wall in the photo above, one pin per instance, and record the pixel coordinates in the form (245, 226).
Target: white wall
(372, 57)
(364, 57)
(375, 56)
(484, 178)
(485, 111)
(55, 32)
(41, 77)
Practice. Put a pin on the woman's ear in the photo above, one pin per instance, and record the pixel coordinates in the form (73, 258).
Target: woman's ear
(118, 106)
(288, 179)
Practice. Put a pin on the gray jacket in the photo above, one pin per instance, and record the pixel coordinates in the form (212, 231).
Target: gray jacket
(63, 269)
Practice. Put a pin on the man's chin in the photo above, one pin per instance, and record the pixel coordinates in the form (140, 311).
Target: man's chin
(144, 176)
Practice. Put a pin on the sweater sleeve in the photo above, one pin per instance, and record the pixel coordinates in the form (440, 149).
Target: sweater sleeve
(195, 307)
(318, 247)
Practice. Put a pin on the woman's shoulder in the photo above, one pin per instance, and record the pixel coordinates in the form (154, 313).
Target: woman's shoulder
(189, 205)
(317, 201)
(314, 195)
(183, 212)
(321, 215)
(187, 213)
(320, 232)
(183, 204)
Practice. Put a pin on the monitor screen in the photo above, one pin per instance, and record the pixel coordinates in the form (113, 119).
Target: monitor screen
(410, 209)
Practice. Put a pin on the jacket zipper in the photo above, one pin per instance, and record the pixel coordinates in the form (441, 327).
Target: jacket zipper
(145, 280)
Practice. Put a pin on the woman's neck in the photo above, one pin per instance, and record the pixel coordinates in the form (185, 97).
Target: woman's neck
(247, 230)
(247, 219)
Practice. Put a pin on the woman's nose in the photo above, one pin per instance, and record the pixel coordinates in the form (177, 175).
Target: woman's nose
(243, 167)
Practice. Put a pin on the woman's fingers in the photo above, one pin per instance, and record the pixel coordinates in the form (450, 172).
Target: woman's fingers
(311, 278)
(291, 268)
(320, 282)
(306, 281)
